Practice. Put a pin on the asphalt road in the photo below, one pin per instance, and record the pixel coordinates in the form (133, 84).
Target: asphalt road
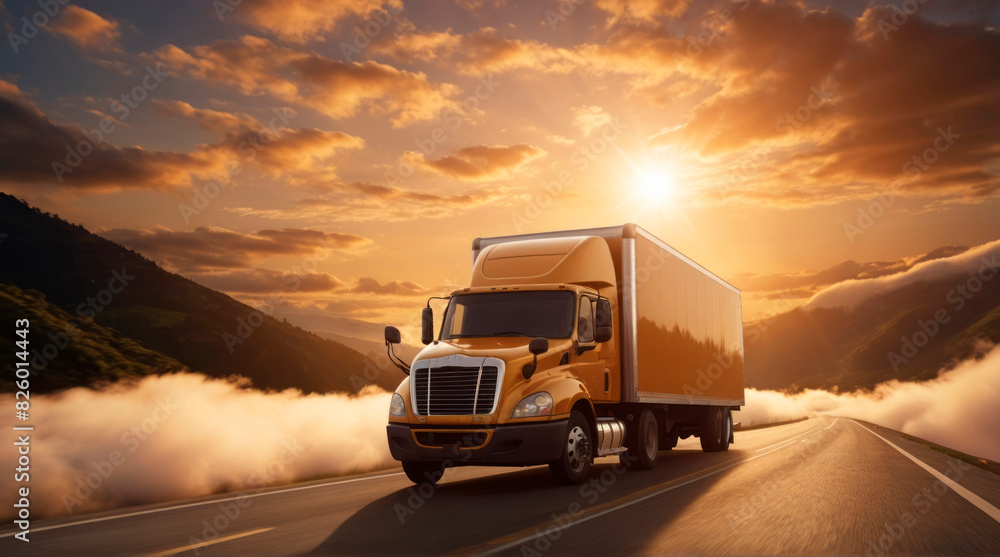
(823, 486)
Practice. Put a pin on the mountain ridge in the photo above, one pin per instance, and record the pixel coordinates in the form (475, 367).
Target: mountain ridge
(87, 277)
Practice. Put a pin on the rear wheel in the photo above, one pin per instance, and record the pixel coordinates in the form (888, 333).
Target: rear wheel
(574, 466)
(644, 443)
(423, 472)
(717, 430)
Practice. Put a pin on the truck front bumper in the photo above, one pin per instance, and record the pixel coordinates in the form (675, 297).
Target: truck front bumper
(504, 445)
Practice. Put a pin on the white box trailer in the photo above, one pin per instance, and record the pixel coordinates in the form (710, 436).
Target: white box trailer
(568, 346)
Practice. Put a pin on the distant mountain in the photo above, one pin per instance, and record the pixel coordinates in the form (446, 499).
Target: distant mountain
(908, 330)
(149, 316)
(373, 349)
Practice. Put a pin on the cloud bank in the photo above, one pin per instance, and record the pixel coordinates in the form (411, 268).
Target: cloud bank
(849, 294)
(183, 435)
(953, 410)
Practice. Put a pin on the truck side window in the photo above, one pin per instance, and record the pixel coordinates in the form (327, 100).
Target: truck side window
(585, 326)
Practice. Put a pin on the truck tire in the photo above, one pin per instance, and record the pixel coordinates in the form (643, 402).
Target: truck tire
(717, 430)
(644, 443)
(574, 466)
(423, 472)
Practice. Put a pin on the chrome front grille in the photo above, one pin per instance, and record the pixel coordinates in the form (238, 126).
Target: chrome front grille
(452, 390)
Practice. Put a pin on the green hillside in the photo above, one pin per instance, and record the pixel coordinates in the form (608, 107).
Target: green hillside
(84, 277)
(67, 351)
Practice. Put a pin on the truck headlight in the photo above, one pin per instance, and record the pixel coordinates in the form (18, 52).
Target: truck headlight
(397, 407)
(538, 404)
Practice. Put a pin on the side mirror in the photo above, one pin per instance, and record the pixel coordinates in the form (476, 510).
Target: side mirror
(537, 347)
(427, 325)
(603, 321)
(392, 335)
(603, 334)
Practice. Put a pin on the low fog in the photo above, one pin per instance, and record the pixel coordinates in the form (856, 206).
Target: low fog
(956, 410)
(851, 293)
(184, 435)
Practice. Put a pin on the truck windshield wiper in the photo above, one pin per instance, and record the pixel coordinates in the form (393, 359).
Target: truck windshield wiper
(509, 334)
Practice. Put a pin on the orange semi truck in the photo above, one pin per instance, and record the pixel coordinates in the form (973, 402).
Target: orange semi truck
(568, 346)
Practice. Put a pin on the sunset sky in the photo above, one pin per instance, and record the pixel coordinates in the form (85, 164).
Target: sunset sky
(784, 145)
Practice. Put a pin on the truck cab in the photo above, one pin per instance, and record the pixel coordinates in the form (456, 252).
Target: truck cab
(526, 367)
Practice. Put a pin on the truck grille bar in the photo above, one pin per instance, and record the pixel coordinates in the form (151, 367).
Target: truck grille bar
(455, 390)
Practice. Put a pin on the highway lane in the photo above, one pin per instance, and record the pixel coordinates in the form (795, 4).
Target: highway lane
(821, 486)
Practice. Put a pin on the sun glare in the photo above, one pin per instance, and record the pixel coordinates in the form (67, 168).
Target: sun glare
(655, 186)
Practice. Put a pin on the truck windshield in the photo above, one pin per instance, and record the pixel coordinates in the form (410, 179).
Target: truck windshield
(546, 314)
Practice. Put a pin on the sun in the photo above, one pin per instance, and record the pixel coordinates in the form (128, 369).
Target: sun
(655, 186)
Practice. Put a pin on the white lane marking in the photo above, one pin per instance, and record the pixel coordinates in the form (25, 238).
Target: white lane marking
(792, 441)
(203, 544)
(562, 527)
(209, 502)
(969, 496)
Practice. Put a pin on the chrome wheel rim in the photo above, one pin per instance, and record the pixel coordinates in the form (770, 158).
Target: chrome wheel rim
(577, 449)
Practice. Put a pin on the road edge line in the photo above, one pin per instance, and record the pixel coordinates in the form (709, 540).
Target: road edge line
(198, 504)
(969, 496)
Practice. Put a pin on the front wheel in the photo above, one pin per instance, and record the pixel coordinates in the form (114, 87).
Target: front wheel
(423, 472)
(574, 466)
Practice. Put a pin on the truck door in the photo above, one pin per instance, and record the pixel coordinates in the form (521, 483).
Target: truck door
(593, 361)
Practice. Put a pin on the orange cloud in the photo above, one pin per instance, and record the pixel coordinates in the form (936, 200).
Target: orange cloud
(213, 121)
(262, 281)
(256, 66)
(361, 202)
(300, 21)
(482, 51)
(480, 162)
(86, 29)
(843, 106)
(368, 285)
(590, 118)
(643, 10)
(211, 247)
(38, 150)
